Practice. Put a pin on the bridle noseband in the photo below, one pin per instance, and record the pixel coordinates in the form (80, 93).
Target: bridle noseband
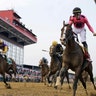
(71, 35)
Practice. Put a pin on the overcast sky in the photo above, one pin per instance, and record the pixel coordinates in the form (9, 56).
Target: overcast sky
(45, 18)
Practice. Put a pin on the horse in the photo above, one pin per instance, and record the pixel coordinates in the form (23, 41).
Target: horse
(74, 59)
(4, 68)
(55, 65)
(44, 70)
(12, 68)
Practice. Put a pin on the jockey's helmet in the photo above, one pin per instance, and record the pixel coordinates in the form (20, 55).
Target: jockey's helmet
(77, 10)
(1, 41)
(43, 58)
(54, 43)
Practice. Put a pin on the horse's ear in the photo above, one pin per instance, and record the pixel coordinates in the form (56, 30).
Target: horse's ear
(63, 23)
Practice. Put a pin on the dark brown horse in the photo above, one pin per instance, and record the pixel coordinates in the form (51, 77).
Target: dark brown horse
(5, 68)
(12, 68)
(56, 65)
(73, 58)
(44, 70)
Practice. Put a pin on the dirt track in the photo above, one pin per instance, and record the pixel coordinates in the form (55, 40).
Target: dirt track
(39, 89)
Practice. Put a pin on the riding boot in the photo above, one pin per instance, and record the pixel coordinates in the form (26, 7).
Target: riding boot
(87, 55)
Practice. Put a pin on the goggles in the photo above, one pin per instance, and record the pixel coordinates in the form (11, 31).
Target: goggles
(76, 14)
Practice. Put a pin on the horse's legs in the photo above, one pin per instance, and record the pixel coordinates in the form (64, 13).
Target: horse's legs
(10, 75)
(62, 74)
(55, 76)
(61, 77)
(77, 74)
(4, 80)
(83, 83)
(44, 80)
(89, 70)
(67, 76)
(41, 78)
(48, 77)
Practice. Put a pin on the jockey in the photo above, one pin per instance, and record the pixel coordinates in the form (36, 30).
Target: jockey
(79, 21)
(3, 48)
(45, 60)
(58, 50)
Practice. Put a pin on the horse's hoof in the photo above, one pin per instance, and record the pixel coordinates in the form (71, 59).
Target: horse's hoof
(8, 86)
(55, 87)
(69, 87)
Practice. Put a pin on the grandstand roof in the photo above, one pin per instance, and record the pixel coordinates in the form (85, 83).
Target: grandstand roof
(12, 28)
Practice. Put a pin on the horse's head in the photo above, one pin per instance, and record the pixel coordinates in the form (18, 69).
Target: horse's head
(68, 35)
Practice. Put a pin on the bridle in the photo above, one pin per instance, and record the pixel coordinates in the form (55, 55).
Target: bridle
(70, 35)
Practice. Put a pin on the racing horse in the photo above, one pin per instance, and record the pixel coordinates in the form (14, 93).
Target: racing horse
(74, 59)
(5, 68)
(44, 70)
(55, 66)
(12, 68)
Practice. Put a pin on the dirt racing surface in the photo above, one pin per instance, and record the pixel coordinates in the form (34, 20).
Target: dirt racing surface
(39, 89)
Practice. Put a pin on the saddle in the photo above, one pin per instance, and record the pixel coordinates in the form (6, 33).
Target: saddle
(9, 61)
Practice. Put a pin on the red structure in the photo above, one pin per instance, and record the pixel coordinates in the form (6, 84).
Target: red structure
(12, 28)
(15, 35)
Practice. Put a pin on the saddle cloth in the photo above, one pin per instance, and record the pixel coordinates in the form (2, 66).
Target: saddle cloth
(9, 61)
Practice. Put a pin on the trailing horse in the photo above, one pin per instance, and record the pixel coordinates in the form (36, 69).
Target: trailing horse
(5, 68)
(56, 64)
(44, 70)
(12, 69)
(73, 58)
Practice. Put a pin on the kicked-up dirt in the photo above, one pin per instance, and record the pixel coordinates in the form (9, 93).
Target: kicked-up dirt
(39, 89)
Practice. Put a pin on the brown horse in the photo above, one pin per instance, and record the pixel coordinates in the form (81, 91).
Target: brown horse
(56, 65)
(44, 70)
(12, 68)
(4, 68)
(73, 58)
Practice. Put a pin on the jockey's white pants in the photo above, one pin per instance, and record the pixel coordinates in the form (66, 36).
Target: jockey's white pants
(81, 32)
